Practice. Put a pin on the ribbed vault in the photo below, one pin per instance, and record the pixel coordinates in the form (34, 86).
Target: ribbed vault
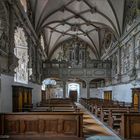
(97, 22)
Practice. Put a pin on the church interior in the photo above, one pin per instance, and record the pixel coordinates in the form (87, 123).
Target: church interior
(70, 69)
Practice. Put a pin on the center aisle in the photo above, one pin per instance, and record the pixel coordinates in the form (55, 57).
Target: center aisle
(93, 129)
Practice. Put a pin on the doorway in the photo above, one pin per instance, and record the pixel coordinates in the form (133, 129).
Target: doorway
(73, 95)
(74, 91)
(108, 95)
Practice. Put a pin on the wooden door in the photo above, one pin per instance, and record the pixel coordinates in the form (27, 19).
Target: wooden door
(22, 98)
(43, 97)
(108, 95)
(136, 98)
(73, 95)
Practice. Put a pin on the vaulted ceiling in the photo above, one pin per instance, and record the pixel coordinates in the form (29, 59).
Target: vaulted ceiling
(90, 20)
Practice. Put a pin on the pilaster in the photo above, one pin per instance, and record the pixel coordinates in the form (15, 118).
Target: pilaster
(64, 89)
(88, 88)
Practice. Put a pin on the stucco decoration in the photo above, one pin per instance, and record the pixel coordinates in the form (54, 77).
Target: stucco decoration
(131, 14)
(125, 59)
(3, 28)
(114, 64)
(21, 52)
(20, 39)
(74, 51)
(137, 52)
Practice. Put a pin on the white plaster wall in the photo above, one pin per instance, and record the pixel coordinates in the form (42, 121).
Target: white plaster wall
(59, 92)
(36, 92)
(83, 93)
(121, 92)
(96, 93)
(6, 92)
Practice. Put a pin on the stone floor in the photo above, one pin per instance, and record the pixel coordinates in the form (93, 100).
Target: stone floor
(94, 129)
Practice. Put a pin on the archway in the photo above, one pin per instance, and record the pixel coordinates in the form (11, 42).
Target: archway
(74, 91)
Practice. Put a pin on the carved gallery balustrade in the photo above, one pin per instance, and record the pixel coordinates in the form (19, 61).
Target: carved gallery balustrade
(95, 69)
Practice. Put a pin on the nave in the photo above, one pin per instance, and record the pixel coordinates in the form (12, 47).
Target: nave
(70, 69)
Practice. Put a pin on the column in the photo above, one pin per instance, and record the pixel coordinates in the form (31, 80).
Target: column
(134, 58)
(12, 59)
(88, 89)
(64, 89)
(119, 65)
(133, 75)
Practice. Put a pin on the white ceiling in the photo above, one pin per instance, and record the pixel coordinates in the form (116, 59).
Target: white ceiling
(90, 20)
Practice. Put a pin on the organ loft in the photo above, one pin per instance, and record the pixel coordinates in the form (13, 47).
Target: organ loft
(70, 69)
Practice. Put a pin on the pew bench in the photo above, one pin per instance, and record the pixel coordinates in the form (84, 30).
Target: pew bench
(130, 126)
(115, 117)
(106, 111)
(43, 123)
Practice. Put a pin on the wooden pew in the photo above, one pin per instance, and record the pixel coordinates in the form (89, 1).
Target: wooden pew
(99, 110)
(106, 111)
(130, 126)
(55, 109)
(87, 103)
(1, 124)
(46, 123)
(115, 116)
(57, 102)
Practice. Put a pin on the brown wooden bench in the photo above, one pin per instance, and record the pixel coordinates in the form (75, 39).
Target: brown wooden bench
(130, 126)
(1, 124)
(115, 117)
(99, 109)
(46, 123)
(105, 111)
(90, 103)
